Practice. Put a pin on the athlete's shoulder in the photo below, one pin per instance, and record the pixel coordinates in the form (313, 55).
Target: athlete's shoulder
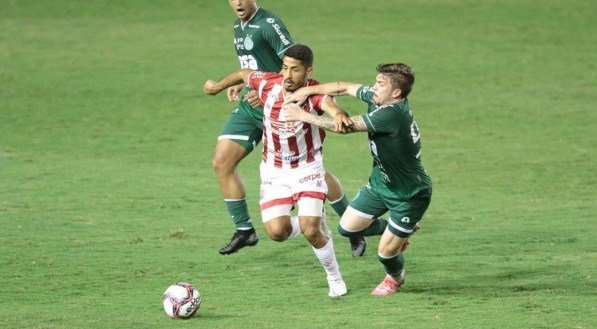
(312, 82)
(269, 76)
(403, 107)
(267, 16)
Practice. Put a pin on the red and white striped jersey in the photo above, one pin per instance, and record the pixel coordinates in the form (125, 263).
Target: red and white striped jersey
(286, 144)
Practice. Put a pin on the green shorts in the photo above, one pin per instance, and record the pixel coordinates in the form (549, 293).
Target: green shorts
(245, 127)
(404, 215)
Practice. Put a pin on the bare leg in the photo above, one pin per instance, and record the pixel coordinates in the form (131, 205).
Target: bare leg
(227, 156)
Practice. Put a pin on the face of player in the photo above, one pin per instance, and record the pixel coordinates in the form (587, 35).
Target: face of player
(294, 73)
(383, 91)
(243, 9)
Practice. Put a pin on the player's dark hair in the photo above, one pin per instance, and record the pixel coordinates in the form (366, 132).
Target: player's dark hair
(301, 53)
(401, 76)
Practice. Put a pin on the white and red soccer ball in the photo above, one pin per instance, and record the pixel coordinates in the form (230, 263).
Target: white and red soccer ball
(181, 300)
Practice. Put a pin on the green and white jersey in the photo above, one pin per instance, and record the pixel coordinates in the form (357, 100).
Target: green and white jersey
(260, 45)
(395, 143)
(261, 41)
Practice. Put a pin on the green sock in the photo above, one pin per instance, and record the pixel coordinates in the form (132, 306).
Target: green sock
(392, 265)
(340, 205)
(240, 213)
(376, 228)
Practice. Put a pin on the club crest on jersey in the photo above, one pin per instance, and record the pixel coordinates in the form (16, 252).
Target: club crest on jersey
(248, 43)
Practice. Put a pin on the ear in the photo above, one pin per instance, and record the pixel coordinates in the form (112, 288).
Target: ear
(396, 93)
(309, 71)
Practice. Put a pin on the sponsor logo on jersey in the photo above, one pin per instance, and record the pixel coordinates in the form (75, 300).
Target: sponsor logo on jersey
(311, 177)
(287, 129)
(287, 156)
(238, 42)
(278, 30)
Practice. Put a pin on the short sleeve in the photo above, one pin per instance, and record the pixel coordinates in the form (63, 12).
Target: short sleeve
(383, 120)
(316, 102)
(365, 93)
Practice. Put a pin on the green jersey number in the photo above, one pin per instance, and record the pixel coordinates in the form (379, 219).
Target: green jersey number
(248, 62)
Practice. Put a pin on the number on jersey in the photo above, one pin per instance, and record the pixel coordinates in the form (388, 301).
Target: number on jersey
(248, 62)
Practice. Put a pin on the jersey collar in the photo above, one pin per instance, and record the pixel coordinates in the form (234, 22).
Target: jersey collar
(242, 25)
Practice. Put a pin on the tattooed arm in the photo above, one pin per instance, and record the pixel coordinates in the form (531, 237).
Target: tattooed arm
(332, 88)
(293, 112)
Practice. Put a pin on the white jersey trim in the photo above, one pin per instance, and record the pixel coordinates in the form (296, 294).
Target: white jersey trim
(242, 26)
(401, 229)
(284, 50)
(261, 85)
(360, 213)
(239, 137)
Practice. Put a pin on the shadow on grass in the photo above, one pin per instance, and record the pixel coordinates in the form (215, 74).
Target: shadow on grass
(498, 284)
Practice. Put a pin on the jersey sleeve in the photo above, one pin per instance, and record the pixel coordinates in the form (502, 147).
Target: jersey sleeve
(365, 93)
(258, 81)
(383, 120)
(316, 102)
(255, 79)
(277, 35)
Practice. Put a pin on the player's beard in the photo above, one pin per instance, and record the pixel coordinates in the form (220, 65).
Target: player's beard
(292, 87)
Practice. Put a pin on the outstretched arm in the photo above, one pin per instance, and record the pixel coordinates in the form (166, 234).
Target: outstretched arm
(339, 116)
(293, 112)
(213, 88)
(332, 88)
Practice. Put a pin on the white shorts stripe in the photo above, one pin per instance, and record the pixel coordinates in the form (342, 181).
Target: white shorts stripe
(401, 229)
(359, 213)
(275, 212)
(344, 228)
(239, 137)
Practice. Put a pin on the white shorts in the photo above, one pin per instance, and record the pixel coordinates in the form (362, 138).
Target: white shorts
(282, 188)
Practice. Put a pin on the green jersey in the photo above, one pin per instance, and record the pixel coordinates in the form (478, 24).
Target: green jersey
(260, 45)
(395, 143)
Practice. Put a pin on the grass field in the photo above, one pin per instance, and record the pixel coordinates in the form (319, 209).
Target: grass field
(107, 195)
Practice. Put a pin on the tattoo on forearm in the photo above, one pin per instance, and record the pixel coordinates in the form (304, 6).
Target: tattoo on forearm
(358, 124)
(322, 122)
(327, 124)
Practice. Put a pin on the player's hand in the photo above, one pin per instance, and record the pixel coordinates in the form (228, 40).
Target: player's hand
(233, 92)
(342, 122)
(293, 112)
(210, 87)
(299, 96)
(253, 99)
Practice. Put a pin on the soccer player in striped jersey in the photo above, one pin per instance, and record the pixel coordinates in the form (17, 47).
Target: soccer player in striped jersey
(398, 182)
(260, 39)
(292, 169)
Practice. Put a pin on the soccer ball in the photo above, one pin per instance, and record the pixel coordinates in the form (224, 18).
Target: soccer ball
(181, 300)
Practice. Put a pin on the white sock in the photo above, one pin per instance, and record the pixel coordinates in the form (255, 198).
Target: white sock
(327, 258)
(296, 228)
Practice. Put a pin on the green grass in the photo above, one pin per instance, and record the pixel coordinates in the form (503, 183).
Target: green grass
(107, 194)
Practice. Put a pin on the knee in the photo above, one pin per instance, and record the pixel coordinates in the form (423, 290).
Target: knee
(389, 249)
(221, 164)
(311, 232)
(344, 232)
(277, 234)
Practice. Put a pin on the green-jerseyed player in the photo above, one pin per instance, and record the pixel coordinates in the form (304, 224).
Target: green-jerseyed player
(398, 182)
(260, 39)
